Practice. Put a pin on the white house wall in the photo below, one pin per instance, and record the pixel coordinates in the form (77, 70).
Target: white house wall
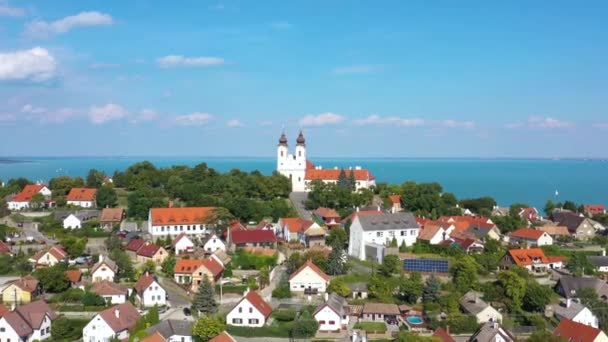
(248, 311)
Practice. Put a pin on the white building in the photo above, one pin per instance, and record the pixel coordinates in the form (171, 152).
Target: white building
(308, 279)
(332, 315)
(71, 222)
(436, 232)
(182, 244)
(472, 303)
(192, 221)
(22, 200)
(105, 269)
(213, 243)
(27, 323)
(381, 230)
(149, 292)
(82, 197)
(49, 258)
(113, 322)
(251, 311)
(173, 330)
(575, 311)
(113, 293)
(531, 237)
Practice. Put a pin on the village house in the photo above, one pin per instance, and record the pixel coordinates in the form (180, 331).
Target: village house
(154, 337)
(308, 279)
(212, 243)
(193, 221)
(5, 249)
(113, 322)
(332, 315)
(568, 286)
(222, 257)
(358, 290)
(492, 332)
(380, 312)
(29, 322)
(223, 337)
(151, 252)
(133, 246)
(182, 244)
(314, 236)
(50, 257)
(292, 229)
(253, 238)
(76, 219)
(192, 271)
(395, 203)
(75, 276)
(530, 237)
(484, 232)
(574, 311)
(435, 232)
(471, 303)
(580, 227)
(594, 209)
(21, 291)
(173, 330)
(381, 230)
(532, 259)
(82, 197)
(329, 216)
(104, 269)
(443, 335)
(530, 215)
(22, 200)
(251, 311)
(149, 292)
(574, 331)
(111, 217)
(599, 261)
(113, 293)
(555, 231)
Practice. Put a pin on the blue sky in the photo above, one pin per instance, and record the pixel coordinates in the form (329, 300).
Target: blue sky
(361, 78)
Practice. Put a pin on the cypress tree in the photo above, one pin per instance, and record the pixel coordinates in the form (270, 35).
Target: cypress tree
(204, 301)
(352, 182)
(343, 181)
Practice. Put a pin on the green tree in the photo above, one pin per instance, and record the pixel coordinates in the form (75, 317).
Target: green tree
(123, 262)
(411, 288)
(477, 205)
(343, 180)
(549, 207)
(140, 201)
(153, 316)
(106, 197)
(338, 286)
(337, 237)
(207, 327)
(73, 246)
(37, 200)
(92, 299)
(204, 300)
(464, 273)
(578, 264)
(514, 286)
(390, 265)
(405, 336)
(53, 279)
(64, 329)
(4, 208)
(545, 336)
(432, 289)
(168, 266)
(569, 205)
(336, 261)
(305, 327)
(537, 297)
(95, 178)
(63, 184)
(282, 290)
(352, 181)
(264, 277)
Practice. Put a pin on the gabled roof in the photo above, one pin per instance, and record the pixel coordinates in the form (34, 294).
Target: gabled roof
(489, 331)
(570, 285)
(179, 238)
(574, 331)
(443, 335)
(568, 311)
(134, 245)
(296, 224)
(155, 337)
(327, 213)
(213, 266)
(352, 216)
(187, 266)
(253, 236)
(594, 207)
(428, 232)
(336, 303)
(172, 327)
(181, 216)
(403, 220)
(528, 256)
(258, 302)
(33, 313)
(527, 234)
(111, 215)
(395, 199)
(28, 191)
(333, 174)
(27, 283)
(21, 327)
(223, 337)
(105, 261)
(148, 250)
(127, 316)
(73, 275)
(3, 310)
(472, 303)
(313, 267)
(555, 230)
(108, 288)
(81, 194)
(598, 260)
(381, 308)
(143, 283)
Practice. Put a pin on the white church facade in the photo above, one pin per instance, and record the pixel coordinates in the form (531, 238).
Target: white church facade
(302, 172)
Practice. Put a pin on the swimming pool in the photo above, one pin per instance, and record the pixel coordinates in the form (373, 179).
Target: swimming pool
(414, 320)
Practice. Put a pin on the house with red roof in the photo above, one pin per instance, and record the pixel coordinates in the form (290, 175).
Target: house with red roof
(112, 292)
(594, 209)
(111, 217)
(308, 279)
(193, 221)
(530, 237)
(293, 229)
(532, 259)
(253, 238)
(50, 257)
(192, 271)
(251, 311)
(395, 203)
(182, 244)
(29, 322)
(530, 215)
(151, 252)
(149, 292)
(328, 215)
(22, 200)
(223, 337)
(443, 335)
(82, 197)
(574, 331)
(22, 290)
(113, 322)
(75, 276)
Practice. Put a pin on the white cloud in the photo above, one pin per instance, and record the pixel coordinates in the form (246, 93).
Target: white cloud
(28, 108)
(104, 66)
(108, 112)
(356, 69)
(234, 123)
(8, 11)
(177, 61)
(45, 29)
(321, 119)
(540, 122)
(281, 25)
(457, 124)
(59, 115)
(393, 120)
(36, 64)
(194, 119)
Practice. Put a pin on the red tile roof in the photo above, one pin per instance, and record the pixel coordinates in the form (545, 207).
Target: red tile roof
(556, 258)
(443, 335)
(127, 317)
(527, 233)
(309, 165)
(55, 251)
(313, 267)
(28, 191)
(181, 216)
(395, 199)
(143, 283)
(148, 250)
(333, 174)
(18, 324)
(81, 194)
(108, 288)
(111, 215)
(213, 266)
(3, 310)
(223, 337)
(296, 224)
(253, 236)
(595, 208)
(4, 248)
(187, 266)
(327, 213)
(526, 257)
(156, 337)
(33, 313)
(258, 302)
(73, 275)
(574, 331)
(27, 283)
(134, 245)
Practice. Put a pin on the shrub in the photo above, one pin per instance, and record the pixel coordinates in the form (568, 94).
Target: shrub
(284, 315)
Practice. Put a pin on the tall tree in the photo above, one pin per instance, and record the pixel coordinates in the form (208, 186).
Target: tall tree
(207, 327)
(390, 265)
(204, 300)
(352, 181)
(464, 273)
(514, 286)
(106, 197)
(37, 200)
(549, 207)
(336, 261)
(411, 288)
(95, 178)
(343, 180)
(432, 289)
(337, 238)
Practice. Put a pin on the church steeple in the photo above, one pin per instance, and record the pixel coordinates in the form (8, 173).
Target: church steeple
(301, 140)
(283, 139)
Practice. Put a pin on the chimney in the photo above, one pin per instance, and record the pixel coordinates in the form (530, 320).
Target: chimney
(326, 296)
(568, 302)
(117, 313)
(603, 252)
(100, 257)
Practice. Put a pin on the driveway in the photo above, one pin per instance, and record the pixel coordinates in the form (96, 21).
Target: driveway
(177, 295)
(298, 199)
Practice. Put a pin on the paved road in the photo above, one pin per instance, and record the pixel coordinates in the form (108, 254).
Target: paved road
(177, 296)
(297, 199)
(28, 229)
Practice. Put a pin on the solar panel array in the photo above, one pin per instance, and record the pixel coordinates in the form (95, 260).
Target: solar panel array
(425, 265)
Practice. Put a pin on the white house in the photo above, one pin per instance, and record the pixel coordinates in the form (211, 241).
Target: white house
(27, 323)
(192, 221)
(251, 311)
(436, 232)
(71, 222)
(104, 269)
(113, 322)
(532, 237)
(113, 293)
(332, 315)
(82, 197)
(173, 330)
(149, 292)
(213, 243)
(49, 258)
(308, 279)
(575, 311)
(292, 229)
(381, 230)
(472, 303)
(22, 200)
(599, 261)
(182, 244)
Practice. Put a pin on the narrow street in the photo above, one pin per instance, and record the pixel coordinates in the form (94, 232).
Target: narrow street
(177, 296)
(298, 199)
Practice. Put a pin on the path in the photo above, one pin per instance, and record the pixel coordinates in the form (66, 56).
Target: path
(177, 295)
(298, 199)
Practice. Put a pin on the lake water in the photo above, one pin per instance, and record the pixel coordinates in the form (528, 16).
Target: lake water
(507, 180)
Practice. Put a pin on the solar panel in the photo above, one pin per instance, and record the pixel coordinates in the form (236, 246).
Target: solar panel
(425, 265)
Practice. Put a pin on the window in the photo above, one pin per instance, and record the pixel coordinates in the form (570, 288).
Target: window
(237, 321)
(250, 310)
(403, 233)
(253, 321)
(240, 310)
(321, 322)
(413, 232)
(379, 234)
(391, 233)
(332, 322)
(2, 329)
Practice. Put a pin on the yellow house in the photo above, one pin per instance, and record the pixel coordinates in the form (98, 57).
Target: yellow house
(21, 291)
(152, 252)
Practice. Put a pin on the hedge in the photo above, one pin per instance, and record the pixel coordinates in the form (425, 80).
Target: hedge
(284, 315)
(79, 308)
(234, 288)
(280, 330)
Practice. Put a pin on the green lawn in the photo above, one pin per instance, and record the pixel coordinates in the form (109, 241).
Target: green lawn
(372, 327)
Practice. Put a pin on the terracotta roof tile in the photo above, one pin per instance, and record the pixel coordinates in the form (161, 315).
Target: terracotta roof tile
(258, 302)
(111, 215)
(134, 245)
(181, 216)
(73, 275)
(187, 266)
(527, 233)
(127, 317)
(526, 257)
(4, 248)
(223, 337)
(395, 199)
(312, 266)
(333, 174)
(574, 331)
(3, 309)
(148, 250)
(156, 337)
(81, 194)
(28, 191)
(327, 213)
(33, 313)
(253, 236)
(21, 327)
(143, 283)
(443, 335)
(27, 283)
(296, 224)
(108, 288)
(555, 230)
(213, 266)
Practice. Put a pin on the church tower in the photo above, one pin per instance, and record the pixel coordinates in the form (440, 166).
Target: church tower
(292, 166)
